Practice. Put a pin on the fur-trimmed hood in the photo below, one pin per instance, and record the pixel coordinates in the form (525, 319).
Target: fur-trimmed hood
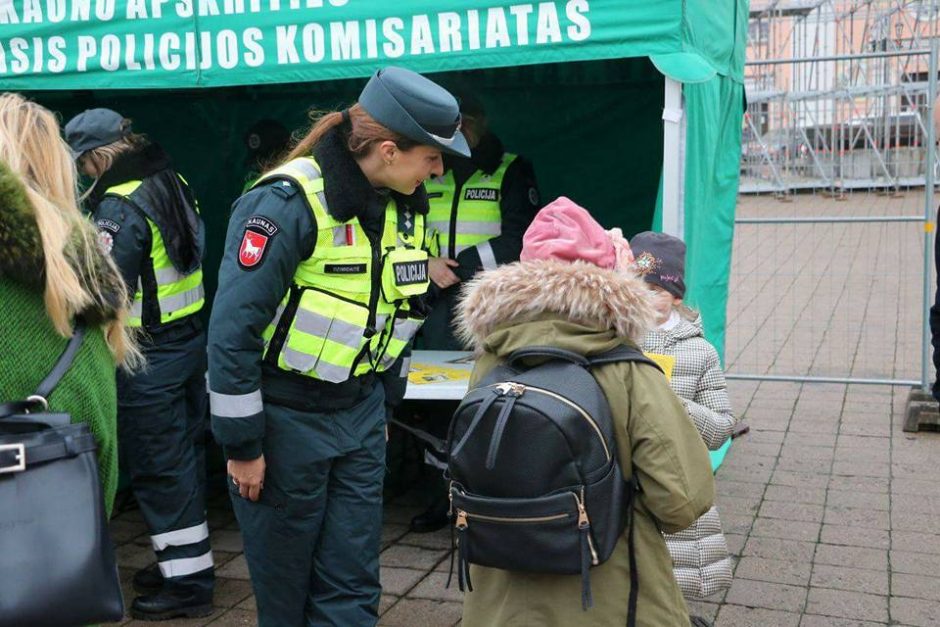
(21, 254)
(577, 292)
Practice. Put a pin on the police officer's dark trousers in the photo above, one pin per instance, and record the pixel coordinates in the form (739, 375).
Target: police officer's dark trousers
(161, 430)
(312, 540)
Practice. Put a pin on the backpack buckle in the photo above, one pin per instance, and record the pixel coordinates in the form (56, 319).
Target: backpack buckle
(19, 458)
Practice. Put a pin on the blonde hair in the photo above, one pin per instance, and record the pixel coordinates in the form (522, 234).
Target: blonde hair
(364, 133)
(103, 157)
(32, 148)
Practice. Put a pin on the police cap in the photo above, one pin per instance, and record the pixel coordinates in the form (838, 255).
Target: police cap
(95, 128)
(416, 107)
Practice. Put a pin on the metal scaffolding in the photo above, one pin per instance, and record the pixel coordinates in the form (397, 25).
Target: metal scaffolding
(837, 94)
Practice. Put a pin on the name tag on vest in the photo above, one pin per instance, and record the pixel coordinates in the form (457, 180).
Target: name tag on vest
(410, 272)
(344, 268)
(481, 193)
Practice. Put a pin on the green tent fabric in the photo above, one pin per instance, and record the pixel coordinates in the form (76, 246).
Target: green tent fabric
(146, 44)
(574, 85)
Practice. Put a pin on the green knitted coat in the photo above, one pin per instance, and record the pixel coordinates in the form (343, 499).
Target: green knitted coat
(30, 346)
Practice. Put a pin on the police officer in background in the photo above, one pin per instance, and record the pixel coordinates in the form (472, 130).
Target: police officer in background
(480, 209)
(318, 298)
(266, 141)
(148, 220)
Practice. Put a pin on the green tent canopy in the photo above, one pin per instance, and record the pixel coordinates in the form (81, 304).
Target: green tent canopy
(632, 108)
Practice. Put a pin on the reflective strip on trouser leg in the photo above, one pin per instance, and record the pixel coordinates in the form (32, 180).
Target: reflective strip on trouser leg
(180, 537)
(184, 566)
(162, 461)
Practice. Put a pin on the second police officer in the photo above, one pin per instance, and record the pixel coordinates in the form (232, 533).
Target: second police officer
(148, 221)
(323, 260)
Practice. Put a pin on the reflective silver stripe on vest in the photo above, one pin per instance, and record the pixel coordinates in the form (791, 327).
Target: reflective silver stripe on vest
(405, 329)
(166, 276)
(331, 373)
(487, 258)
(479, 228)
(295, 360)
(186, 566)
(180, 537)
(339, 235)
(235, 405)
(405, 367)
(333, 329)
(441, 227)
(380, 320)
(175, 302)
(137, 309)
(308, 170)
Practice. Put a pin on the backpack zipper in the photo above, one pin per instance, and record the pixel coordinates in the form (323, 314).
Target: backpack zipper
(518, 389)
(584, 524)
(463, 521)
(463, 516)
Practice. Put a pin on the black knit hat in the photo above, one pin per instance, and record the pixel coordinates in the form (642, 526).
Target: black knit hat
(660, 260)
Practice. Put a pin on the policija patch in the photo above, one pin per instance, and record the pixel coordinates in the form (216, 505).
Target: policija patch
(481, 193)
(258, 232)
(410, 272)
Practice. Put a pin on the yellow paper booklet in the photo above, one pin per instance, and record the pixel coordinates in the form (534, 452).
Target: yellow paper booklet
(666, 362)
(421, 374)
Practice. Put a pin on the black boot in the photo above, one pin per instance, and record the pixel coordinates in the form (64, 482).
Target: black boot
(433, 518)
(148, 580)
(698, 621)
(173, 602)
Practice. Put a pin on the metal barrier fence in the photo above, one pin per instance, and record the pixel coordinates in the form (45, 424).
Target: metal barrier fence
(831, 291)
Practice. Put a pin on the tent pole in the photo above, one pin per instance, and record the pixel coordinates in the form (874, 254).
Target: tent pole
(673, 210)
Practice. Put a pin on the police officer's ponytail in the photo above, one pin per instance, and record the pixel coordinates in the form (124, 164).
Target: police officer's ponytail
(362, 133)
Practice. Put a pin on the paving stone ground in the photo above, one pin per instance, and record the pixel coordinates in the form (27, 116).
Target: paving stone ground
(831, 511)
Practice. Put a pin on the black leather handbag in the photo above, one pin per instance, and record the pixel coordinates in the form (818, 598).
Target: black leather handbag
(56, 554)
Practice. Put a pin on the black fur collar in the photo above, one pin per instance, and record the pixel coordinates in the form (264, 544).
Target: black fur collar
(22, 259)
(348, 192)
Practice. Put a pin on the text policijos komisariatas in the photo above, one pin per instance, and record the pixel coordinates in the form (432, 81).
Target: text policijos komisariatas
(152, 34)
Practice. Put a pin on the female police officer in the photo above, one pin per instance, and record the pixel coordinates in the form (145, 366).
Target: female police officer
(324, 258)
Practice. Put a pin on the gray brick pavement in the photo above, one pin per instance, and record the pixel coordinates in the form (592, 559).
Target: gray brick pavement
(830, 509)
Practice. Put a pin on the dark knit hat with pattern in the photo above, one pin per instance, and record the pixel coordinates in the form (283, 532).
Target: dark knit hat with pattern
(660, 260)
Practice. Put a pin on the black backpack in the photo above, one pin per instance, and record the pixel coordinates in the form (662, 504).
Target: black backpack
(536, 485)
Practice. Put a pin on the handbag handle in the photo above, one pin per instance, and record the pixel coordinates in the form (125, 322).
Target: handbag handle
(48, 384)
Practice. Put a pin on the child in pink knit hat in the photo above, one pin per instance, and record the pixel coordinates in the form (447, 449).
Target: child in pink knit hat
(573, 291)
(565, 231)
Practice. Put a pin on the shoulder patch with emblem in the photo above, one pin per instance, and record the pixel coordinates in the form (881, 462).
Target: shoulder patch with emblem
(258, 232)
(533, 196)
(109, 225)
(107, 229)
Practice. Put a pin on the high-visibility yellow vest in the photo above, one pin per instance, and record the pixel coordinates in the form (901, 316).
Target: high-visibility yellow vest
(178, 295)
(459, 222)
(346, 313)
